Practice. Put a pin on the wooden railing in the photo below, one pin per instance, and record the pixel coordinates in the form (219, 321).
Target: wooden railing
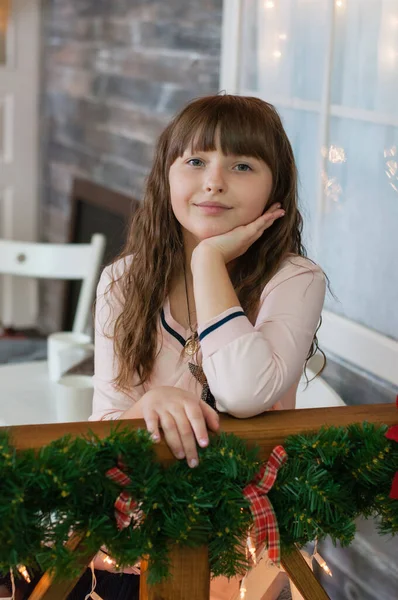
(190, 568)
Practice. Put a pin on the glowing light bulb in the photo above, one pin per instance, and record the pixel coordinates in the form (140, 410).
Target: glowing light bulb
(336, 154)
(339, 3)
(277, 54)
(322, 563)
(24, 572)
(252, 550)
(269, 4)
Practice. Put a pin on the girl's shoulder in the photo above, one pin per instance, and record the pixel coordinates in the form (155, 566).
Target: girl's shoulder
(111, 277)
(292, 267)
(116, 270)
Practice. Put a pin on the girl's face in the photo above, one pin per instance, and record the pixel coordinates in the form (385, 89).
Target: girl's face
(212, 193)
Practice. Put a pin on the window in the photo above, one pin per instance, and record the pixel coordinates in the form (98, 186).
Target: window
(331, 69)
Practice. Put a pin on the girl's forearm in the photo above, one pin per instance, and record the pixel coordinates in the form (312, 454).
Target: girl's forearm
(213, 290)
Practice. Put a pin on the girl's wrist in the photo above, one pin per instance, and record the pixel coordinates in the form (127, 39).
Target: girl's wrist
(203, 254)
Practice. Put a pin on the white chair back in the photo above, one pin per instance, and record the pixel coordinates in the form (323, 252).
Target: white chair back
(58, 261)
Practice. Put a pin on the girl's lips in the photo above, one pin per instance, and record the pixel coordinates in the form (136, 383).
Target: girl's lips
(212, 209)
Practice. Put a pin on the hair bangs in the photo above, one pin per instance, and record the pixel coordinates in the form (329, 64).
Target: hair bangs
(216, 122)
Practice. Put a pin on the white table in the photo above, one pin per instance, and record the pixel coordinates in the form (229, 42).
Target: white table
(27, 394)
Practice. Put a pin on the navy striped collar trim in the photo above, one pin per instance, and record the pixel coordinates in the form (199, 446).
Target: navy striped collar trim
(205, 332)
(179, 338)
(170, 330)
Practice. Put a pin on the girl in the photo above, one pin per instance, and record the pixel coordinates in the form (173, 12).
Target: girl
(212, 306)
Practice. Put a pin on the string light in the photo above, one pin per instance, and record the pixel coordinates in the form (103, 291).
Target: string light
(339, 3)
(282, 36)
(252, 549)
(269, 4)
(332, 188)
(24, 572)
(334, 154)
(12, 584)
(322, 563)
(243, 589)
(93, 583)
(277, 54)
(392, 166)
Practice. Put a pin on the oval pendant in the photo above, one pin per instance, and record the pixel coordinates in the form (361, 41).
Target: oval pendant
(192, 345)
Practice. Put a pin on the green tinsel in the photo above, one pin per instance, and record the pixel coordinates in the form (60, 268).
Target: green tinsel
(330, 478)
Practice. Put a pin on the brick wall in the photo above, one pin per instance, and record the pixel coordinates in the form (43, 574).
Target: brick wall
(113, 75)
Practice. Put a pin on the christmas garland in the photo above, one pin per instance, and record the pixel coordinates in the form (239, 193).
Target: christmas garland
(328, 480)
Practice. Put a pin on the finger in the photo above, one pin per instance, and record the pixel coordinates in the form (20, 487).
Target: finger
(211, 416)
(197, 419)
(152, 424)
(273, 208)
(187, 436)
(269, 218)
(172, 436)
(255, 229)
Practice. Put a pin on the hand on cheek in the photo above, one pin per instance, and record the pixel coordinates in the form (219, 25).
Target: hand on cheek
(234, 243)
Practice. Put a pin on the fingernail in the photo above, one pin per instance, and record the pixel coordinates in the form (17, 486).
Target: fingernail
(155, 437)
(283, 213)
(203, 441)
(193, 463)
(180, 455)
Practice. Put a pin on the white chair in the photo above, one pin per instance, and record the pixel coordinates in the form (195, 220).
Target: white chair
(58, 261)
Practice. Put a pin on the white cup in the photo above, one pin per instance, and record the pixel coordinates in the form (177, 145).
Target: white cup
(73, 398)
(66, 349)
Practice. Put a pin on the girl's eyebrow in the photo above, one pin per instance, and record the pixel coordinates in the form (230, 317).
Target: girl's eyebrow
(245, 157)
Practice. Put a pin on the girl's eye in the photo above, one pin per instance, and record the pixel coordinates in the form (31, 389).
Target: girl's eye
(243, 167)
(195, 162)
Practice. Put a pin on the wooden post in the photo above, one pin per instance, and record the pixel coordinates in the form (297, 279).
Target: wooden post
(302, 576)
(48, 589)
(190, 568)
(190, 577)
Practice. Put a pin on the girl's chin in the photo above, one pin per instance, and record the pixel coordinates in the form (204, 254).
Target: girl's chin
(204, 233)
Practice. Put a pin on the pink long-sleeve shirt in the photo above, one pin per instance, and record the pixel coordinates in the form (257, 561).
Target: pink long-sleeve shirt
(249, 369)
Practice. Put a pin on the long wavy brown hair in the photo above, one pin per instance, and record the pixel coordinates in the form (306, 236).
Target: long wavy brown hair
(243, 126)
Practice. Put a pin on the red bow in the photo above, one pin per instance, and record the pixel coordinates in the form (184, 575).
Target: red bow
(392, 434)
(125, 506)
(265, 523)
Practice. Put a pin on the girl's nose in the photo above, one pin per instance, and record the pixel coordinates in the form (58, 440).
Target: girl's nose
(215, 182)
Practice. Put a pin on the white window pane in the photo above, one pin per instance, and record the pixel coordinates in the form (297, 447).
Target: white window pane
(359, 232)
(302, 128)
(365, 61)
(284, 48)
(284, 60)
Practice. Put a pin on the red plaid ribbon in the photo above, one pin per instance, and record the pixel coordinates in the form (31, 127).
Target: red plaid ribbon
(125, 505)
(265, 523)
(392, 434)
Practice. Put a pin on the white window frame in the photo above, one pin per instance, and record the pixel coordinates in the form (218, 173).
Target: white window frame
(360, 346)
